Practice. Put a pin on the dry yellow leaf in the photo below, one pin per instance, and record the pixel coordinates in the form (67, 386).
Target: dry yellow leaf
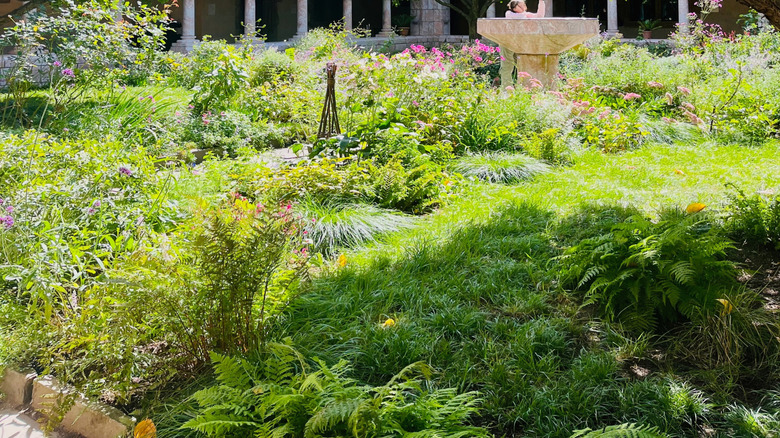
(145, 429)
(694, 207)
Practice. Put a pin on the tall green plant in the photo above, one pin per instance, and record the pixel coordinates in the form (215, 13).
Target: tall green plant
(246, 263)
(643, 271)
(279, 396)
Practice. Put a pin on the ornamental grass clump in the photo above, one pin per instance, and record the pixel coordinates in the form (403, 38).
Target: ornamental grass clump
(499, 167)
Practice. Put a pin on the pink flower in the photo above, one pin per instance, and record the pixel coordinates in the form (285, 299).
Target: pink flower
(683, 90)
(523, 74)
(7, 222)
(688, 106)
(125, 171)
(654, 84)
(632, 96)
(669, 98)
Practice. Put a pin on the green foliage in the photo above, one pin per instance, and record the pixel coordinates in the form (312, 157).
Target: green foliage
(332, 225)
(499, 168)
(754, 219)
(215, 71)
(272, 66)
(613, 132)
(278, 395)
(226, 132)
(241, 270)
(625, 430)
(79, 48)
(643, 271)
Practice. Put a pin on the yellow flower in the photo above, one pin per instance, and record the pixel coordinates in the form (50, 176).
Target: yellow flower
(389, 323)
(342, 261)
(145, 429)
(694, 207)
(727, 306)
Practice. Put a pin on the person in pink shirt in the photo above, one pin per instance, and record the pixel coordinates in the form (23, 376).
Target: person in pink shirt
(517, 9)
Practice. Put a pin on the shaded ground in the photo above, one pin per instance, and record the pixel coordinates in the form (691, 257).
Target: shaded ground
(761, 272)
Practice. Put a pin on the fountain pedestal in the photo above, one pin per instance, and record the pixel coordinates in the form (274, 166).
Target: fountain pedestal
(538, 41)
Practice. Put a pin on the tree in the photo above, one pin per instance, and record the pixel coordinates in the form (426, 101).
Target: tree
(770, 9)
(472, 10)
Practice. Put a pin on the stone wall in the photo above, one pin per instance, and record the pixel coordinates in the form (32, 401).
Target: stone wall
(430, 18)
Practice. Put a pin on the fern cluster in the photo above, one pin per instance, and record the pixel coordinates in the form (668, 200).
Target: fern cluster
(625, 430)
(279, 396)
(642, 271)
(755, 219)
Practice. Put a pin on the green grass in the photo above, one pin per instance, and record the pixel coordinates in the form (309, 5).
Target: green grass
(471, 288)
(499, 167)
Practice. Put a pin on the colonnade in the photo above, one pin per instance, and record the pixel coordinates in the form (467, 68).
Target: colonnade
(189, 39)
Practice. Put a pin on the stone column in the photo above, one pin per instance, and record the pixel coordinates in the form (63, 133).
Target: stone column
(347, 14)
(303, 18)
(612, 20)
(188, 40)
(250, 18)
(548, 12)
(682, 15)
(491, 12)
(387, 28)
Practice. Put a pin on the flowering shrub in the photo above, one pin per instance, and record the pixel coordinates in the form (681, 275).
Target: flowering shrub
(82, 47)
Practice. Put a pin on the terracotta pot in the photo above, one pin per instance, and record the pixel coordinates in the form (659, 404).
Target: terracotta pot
(647, 34)
(403, 31)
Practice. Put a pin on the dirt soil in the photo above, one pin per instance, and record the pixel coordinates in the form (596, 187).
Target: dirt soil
(760, 271)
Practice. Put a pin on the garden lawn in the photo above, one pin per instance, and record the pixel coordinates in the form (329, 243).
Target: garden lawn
(471, 290)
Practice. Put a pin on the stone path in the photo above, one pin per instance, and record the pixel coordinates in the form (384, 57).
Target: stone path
(15, 424)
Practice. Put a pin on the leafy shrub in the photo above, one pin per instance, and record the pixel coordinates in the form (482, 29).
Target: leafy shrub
(271, 66)
(243, 267)
(499, 168)
(613, 132)
(548, 145)
(279, 396)
(755, 219)
(481, 130)
(643, 271)
(228, 132)
(216, 71)
(80, 47)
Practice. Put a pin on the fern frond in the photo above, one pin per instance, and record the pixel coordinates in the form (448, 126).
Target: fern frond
(626, 430)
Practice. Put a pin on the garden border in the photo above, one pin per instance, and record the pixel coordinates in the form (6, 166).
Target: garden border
(44, 394)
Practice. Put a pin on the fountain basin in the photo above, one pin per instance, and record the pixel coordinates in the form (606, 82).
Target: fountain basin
(538, 41)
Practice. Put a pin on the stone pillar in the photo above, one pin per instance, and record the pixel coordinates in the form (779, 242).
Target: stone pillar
(491, 12)
(682, 15)
(612, 20)
(548, 12)
(250, 18)
(347, 14)
(387, 28)
(188, 40)
(303, 18)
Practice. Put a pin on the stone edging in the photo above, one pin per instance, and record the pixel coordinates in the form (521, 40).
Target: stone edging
(44, 394)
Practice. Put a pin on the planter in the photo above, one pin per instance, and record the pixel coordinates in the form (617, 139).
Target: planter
(403, 31)
(647, 34)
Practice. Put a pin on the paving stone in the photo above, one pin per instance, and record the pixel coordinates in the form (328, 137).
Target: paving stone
(15, 424)
(17, 387)
(92, 420)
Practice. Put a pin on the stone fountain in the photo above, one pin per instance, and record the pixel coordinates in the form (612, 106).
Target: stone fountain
(538, 41)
